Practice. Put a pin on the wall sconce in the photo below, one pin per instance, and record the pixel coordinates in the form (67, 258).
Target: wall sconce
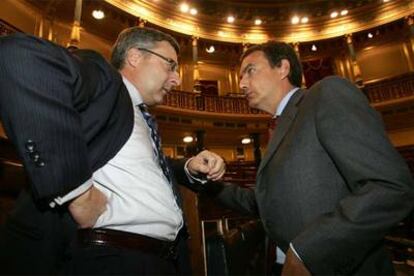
(188, 139)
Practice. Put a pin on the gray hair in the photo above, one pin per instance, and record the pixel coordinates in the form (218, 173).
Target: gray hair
(138, 37)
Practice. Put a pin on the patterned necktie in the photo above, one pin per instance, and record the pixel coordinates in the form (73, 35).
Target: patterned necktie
(156, 141)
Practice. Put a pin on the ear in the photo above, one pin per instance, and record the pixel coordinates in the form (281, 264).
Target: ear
(133, 56)
(284, 68)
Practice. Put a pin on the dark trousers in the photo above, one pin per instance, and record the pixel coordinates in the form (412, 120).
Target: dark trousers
(106, 260)
(109, 260)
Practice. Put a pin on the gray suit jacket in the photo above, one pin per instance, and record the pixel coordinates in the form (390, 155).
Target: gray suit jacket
(330, 182)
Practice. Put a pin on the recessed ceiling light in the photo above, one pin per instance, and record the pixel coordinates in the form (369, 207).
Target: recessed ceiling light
(257, 21)
(230, 19)
(344, 12)
(295, 19)
(314, 48)
(370, 35)
(334, 14)
(210, 49)
(184, 7)
(193, 11)
(304, 20)
(188, 139)
(98, 14)
(385, 1)
(246, 141)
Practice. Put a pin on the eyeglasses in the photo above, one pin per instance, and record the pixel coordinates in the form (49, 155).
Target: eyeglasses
(172, 63)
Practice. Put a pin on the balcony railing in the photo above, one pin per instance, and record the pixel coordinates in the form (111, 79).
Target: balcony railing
(208, 103)
(390, 89)
(381, 91)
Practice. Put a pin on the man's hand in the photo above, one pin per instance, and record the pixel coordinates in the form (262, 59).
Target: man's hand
(86, 208)
(293, 266)
(208, 163)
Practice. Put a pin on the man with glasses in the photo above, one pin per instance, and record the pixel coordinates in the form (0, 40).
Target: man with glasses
(91, 147)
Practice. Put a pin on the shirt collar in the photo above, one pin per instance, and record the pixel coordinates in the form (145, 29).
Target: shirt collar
(284, 102)
(133, 92)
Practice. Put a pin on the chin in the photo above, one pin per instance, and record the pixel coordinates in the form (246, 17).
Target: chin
(252, 104)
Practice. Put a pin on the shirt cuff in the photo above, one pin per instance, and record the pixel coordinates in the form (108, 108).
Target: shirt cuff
(72, 194)
(190, 177)
(294, 252)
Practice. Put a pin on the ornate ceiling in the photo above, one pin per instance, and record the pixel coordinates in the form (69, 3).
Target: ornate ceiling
(210, 21)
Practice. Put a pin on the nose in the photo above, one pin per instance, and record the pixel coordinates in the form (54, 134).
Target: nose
(243, 84)
(175, 79)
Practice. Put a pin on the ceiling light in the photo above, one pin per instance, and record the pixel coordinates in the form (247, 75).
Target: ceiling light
(370, 35)
(295, 19)
(344, 12)
(385, 1)
(314, 48)
(188, 139)
(210, 49)
(304, 20)
(193, 11)
(257, 21)
(246, 141)
(98, 14)
(184, 7)
(334, 14)
(230, 19)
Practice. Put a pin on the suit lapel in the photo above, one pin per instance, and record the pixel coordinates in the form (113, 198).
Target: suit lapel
(284, 123)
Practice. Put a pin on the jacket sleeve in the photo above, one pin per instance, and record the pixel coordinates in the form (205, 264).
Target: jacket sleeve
(380, 184)
(229, 195)
(38, 81)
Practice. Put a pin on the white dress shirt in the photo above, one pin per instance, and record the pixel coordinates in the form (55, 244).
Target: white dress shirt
(140, 198)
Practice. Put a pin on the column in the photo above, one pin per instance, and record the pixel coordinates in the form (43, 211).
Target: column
(409, 46)
(355, 67)
(75, 34)
(196, 72)
(256, 148)
(200, 133)
(39, 26)
(141, 22)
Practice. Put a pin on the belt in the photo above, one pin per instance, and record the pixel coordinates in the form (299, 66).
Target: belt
(121, 239)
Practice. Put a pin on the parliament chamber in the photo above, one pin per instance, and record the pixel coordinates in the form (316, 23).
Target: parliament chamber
(369, 42)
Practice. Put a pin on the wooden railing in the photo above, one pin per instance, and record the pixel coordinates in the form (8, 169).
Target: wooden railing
(208, 103)
(390, 89)
(381, 91)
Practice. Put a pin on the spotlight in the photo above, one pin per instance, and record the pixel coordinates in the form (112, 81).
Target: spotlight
(344, 12)
(193, 11)
(230, 19)
(295, 19)
(334, 14)
(210, 49)
(98, 14)
(188, 139)
(314, 48)
(184, 7)
(257, 21)
(246, 141)
(370, 35)
(304, 20)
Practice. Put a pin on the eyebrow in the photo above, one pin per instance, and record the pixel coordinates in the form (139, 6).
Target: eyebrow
(248, 66)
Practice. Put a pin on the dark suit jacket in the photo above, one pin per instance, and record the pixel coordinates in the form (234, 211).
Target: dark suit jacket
(330, 182)
(67, 114)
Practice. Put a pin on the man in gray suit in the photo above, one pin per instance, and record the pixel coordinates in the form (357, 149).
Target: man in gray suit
(330, 185)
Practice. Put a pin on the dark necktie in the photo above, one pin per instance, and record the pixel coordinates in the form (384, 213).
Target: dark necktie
(156, 141)
(272, 125)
